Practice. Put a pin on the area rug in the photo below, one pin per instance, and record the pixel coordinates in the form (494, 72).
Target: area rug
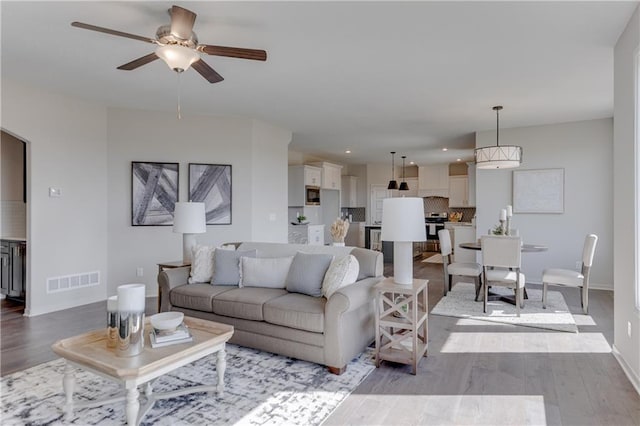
(260, 389)
(436, 258)
(460, 303)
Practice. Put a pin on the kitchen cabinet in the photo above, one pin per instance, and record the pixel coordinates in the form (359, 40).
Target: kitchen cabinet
(299, 178)
(458, 191)
(331, 175)
(13, 268)
(471, 170)
(433, 180)
(306, 234)
(413, 188)
(349, 191)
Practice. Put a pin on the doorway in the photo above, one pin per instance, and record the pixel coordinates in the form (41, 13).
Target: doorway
(13, 226)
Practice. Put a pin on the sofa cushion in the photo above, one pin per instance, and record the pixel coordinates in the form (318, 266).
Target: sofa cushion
(297, 311)
(245, 303)
(264, 272)
(307, 272)
(197, 296)
(226, 270)
(342, 272)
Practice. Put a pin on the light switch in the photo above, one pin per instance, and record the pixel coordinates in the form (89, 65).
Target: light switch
(54, 192)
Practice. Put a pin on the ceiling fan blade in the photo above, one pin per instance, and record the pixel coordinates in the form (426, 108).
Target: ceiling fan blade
(234, 52)
(206, 71)
(182, 21)
(112, 32)
(138, 62)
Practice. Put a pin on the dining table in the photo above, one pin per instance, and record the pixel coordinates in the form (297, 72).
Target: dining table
(525, 248)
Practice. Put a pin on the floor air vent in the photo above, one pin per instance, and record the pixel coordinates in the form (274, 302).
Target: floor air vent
(72, 282)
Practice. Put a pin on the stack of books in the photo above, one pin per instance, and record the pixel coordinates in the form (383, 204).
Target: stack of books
(161, 338)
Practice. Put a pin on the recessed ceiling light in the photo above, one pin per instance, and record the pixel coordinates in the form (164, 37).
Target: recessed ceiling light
(412, 162)
(458, 159)
(348, 151)
(445, 149)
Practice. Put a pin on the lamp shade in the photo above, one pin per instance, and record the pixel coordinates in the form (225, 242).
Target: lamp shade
(179, 58)
(403, 219)
(189, 218)
(498, 157)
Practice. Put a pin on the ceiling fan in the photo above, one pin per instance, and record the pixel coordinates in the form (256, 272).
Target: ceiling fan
(178, 46)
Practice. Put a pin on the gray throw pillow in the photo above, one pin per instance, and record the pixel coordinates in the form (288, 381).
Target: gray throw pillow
(227, 266)
(307, 273)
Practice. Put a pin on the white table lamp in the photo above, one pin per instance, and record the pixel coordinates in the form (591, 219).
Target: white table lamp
(403, 223)
(189, 219)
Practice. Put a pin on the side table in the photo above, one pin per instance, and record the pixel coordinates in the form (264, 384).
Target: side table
(401, 322)
(168, 265)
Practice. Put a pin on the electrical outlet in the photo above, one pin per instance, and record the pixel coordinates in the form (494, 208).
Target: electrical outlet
(139, 272)
(578, 265)
(629, 328)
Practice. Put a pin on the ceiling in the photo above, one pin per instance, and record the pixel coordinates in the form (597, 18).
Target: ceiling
(370, 77)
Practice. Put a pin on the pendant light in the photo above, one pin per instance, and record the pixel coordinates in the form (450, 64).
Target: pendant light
(393, 184)
(499, 156)
(403, 186)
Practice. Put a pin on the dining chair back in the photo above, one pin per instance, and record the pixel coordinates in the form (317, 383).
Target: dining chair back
(460, 269)
(571, 278)
(501, 260)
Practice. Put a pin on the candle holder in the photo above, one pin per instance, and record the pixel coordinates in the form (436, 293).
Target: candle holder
(502, 227)
(508, 228)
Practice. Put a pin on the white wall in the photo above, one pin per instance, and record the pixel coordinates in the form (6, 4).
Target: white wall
(269, 170)
(585, 150)
(625, 201)
(67, 148)
(258, 155)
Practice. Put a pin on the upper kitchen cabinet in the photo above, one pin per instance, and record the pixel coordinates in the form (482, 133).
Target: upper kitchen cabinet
(299, 178)
(331, 175)
(349, 191)
(462, 189)
(412, 182)
(433, 181)
(458, 191)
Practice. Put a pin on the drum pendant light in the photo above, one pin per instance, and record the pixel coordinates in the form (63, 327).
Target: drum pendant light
(499, 156)
(403, 186)
(393, 184)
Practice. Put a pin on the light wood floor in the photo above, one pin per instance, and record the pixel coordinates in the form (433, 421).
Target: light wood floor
(475, 372)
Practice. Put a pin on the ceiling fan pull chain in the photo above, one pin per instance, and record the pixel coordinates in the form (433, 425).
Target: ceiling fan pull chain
(179, 90)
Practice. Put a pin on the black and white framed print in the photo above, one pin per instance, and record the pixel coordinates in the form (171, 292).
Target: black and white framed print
(154, 192)
(211, 184)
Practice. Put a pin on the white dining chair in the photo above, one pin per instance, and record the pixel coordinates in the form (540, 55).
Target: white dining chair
(570, 278)
(501, 262)
(459, 269)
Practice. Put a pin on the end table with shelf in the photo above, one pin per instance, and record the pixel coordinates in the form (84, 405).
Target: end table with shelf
(402, 319)
(168, 265)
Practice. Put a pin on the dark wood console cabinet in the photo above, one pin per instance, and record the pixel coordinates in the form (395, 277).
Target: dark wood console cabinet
(13, 267)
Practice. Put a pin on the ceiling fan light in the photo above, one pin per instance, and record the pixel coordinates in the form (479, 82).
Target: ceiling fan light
(179, 58)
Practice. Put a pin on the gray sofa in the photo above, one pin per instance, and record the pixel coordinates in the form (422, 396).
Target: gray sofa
(325, 331)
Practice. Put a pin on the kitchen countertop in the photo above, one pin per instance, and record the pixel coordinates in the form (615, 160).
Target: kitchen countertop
(13, 239)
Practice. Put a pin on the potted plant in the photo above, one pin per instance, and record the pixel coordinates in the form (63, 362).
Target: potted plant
(302, 218)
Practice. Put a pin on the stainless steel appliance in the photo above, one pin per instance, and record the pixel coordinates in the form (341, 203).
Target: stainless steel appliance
(312, 195)
(434, 223)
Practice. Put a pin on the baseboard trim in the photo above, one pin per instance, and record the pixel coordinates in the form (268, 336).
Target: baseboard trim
(631, 375)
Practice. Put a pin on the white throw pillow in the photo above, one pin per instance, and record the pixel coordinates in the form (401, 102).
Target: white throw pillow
(268, 272)
(202, 262)
(342, 272)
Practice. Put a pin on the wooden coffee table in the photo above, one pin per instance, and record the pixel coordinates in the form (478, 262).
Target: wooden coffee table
(89, 352)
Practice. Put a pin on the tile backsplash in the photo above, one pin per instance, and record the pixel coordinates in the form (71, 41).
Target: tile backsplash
(441, 205)
(357, 213)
